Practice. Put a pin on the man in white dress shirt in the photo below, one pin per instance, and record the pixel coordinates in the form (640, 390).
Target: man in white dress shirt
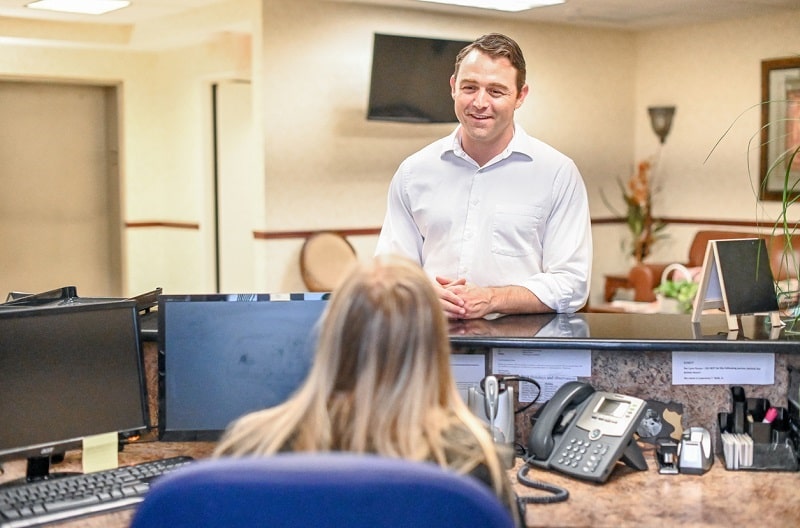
(498, 219)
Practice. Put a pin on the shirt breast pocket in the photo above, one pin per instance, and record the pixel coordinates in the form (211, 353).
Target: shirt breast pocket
(515, 230)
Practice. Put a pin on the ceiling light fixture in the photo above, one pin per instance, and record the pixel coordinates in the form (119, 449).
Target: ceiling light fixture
(499, 5)
(84, 7)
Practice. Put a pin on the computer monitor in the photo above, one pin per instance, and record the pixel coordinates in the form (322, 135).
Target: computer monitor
(57, 296)
(69, 372)
(222, 356)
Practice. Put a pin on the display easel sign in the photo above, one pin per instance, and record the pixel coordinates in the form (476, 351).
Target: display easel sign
(737, 278)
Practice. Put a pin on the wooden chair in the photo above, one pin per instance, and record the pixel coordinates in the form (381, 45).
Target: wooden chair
(325, 258)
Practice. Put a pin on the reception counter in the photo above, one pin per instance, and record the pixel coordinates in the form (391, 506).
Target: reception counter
(607, 331)
(632, 354)
(629, 354)
(626, 332)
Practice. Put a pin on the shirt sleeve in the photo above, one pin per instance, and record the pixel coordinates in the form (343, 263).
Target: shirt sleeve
(399, 233)
(565, 280)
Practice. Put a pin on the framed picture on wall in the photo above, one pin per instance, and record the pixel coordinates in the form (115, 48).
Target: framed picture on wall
(780, 128)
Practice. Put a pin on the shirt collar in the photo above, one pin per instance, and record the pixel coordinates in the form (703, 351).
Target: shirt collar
(520, 143)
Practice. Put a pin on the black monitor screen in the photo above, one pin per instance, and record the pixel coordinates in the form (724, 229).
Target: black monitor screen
(68, 372)
(222, 356)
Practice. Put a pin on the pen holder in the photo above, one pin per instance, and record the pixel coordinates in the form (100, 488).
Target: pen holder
(773, 444)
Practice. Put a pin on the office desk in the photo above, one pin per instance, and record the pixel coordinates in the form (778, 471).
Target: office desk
(133, 453)
(628, 498)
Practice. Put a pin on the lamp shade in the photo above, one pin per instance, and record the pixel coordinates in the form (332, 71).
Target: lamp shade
(661, 120)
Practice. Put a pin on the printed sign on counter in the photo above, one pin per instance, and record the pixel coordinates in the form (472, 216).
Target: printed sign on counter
(723, 368)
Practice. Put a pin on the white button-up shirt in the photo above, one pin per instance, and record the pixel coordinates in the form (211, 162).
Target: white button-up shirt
(522, 219)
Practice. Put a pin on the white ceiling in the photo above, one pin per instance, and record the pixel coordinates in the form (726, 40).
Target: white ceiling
(138, 11)
(622, 14)
(160, 23)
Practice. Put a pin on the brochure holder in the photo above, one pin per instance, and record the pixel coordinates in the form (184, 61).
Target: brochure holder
(737, 279)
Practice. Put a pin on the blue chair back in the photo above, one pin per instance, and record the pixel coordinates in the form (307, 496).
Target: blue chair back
(319, 490)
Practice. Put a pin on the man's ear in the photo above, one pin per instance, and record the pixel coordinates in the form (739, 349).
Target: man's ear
(453, 86)
(523, 93)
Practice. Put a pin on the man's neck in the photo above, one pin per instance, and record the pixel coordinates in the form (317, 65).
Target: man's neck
(482, 152)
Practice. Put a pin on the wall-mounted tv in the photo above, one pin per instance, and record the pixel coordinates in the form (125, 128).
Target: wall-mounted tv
(410, 79)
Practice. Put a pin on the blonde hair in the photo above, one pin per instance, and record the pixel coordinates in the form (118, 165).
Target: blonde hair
(381, 382)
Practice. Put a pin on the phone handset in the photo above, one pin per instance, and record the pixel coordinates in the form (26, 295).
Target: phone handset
(565, 400)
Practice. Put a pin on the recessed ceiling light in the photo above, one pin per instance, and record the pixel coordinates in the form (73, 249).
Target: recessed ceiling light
(500, 5)
(84, 7)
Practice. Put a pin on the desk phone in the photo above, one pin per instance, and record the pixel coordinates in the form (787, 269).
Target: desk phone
(583, 433)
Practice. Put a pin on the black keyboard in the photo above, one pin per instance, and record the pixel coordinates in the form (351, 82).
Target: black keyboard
(62, 498)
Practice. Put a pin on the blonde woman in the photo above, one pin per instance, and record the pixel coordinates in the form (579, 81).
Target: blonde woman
(380, 383)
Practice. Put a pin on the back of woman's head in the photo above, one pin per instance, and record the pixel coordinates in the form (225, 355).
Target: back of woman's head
(384, 336)
(380, 383)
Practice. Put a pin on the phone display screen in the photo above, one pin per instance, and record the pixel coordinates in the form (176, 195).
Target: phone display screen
(611, 407)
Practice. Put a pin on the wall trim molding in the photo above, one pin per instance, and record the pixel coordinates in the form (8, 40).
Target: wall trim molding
(699, 221)
(162, 223)
(273, 235)
(371, 231)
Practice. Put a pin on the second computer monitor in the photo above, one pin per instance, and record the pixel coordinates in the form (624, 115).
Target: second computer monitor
(222, 356)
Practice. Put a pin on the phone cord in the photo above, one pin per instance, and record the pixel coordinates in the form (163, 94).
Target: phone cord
(559, 494)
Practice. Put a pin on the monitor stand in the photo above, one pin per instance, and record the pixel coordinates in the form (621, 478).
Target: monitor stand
(39, 469)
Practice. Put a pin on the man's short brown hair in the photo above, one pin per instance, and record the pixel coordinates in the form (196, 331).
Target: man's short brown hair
(497, 45)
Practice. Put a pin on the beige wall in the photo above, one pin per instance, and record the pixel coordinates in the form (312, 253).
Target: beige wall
(173, 170)
(326, 166)
(712, 73)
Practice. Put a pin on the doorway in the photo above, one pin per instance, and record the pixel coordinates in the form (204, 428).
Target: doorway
(236, 186)
(60, 219)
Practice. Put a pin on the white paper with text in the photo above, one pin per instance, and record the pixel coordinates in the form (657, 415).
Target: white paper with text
(723, 368)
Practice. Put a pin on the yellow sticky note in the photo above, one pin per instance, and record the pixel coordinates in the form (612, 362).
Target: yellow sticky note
(100, 452)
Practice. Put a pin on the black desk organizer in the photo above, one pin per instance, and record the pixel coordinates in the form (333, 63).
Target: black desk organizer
(775, 443)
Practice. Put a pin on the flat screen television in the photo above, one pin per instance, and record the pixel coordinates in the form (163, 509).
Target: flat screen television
(222, 356)
(68, 372)
(410, 79)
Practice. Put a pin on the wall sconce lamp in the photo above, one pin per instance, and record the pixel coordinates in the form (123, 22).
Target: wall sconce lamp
(661, 119)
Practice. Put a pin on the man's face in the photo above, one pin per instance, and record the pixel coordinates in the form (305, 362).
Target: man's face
(486, 97)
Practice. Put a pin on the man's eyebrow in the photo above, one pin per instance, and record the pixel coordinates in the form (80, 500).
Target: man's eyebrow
(499, 85)
(467, 80)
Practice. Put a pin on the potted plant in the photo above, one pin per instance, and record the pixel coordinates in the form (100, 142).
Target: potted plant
(637, 193)
(676, 295)
(780, 168)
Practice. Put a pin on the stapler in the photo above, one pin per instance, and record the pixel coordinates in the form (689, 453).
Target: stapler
(667, 456)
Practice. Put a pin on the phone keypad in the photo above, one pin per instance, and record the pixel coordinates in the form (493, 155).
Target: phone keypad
(582, 455)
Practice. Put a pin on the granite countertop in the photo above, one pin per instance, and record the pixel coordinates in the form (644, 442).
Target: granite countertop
(646, 498)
